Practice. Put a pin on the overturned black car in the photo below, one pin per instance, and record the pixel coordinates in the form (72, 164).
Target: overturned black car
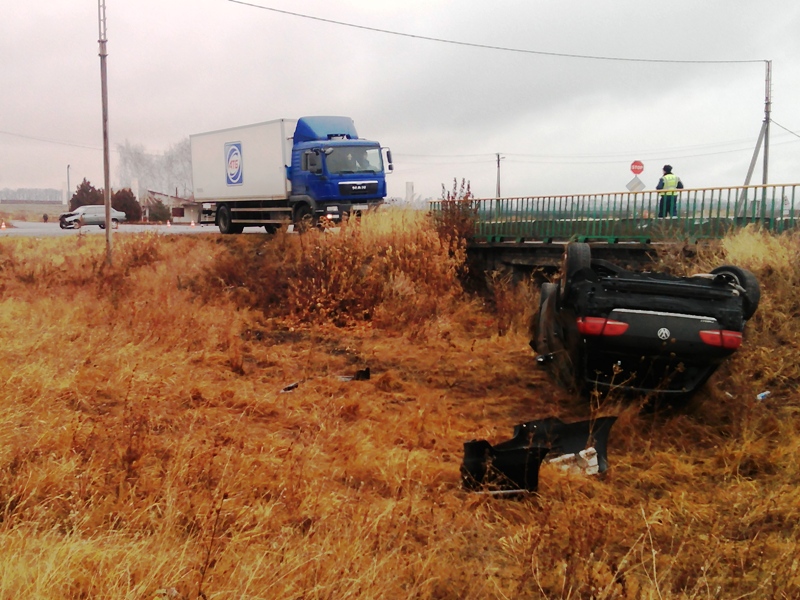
(604, 328)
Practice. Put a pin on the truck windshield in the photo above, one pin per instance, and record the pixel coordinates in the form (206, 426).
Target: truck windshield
(354, 159)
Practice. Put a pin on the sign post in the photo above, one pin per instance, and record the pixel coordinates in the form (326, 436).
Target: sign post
(636, 184)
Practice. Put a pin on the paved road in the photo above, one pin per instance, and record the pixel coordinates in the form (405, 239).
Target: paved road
(34, 229)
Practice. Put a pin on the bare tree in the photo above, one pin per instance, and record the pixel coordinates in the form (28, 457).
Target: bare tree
(167, 173)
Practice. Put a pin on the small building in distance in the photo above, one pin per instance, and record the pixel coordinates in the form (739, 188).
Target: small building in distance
(182, 210)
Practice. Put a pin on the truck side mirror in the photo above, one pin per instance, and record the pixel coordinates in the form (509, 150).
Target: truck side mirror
(312, 162)
(389, 165)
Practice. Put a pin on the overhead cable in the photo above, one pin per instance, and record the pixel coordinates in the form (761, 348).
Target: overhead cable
(38, 139)
(488, 46)
(784, 128)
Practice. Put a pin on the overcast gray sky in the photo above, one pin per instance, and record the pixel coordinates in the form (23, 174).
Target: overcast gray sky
(564, 125)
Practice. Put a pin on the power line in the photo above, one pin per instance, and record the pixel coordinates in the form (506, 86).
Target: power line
(605, 161)
(565, 158)
(63, 143)
(645, 153)
(784, 128)
(49, 141)
(488, 46)
(484, 154)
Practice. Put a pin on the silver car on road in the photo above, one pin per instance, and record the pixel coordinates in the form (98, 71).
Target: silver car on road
(89, 214)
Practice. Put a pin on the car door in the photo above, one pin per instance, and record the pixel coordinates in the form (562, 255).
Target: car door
(95, 215)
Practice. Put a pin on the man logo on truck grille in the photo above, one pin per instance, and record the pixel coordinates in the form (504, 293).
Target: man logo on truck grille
(233, 163)
(663, 333)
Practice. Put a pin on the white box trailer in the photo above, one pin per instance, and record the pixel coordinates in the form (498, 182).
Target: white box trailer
(222, 170)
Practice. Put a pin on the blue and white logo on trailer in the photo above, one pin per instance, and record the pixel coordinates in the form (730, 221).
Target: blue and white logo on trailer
(233, 163)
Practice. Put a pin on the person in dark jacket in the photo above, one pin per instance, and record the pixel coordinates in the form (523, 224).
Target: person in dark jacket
(668, 204)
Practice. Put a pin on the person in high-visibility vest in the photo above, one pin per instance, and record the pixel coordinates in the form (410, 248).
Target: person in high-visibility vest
(668, 204)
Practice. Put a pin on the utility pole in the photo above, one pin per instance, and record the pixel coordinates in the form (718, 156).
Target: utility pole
(68, 188)
(767, 119)
(499, 158)
(101, 17)
(763, 137)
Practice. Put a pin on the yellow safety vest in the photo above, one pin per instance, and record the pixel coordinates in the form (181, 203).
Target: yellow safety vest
(670, 183)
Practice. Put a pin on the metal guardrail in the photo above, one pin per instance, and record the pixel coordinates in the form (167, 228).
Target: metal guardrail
(706, 213)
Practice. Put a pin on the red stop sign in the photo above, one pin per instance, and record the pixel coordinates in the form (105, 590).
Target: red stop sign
(637, 167)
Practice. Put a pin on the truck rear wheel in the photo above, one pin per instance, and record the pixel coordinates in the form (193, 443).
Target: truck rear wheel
(225, 221)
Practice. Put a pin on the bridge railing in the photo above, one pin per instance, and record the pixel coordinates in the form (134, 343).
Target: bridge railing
(703, 213)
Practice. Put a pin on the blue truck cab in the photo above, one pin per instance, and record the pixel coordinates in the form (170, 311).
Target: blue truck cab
(333, 172)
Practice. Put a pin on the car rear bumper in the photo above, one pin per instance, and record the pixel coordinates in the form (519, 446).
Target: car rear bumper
(628, 373)
(658, 352)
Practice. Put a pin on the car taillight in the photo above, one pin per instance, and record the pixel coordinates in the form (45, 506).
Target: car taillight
(601, 326)
(722, 338)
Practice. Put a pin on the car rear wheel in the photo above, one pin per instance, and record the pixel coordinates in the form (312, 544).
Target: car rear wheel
(749, 284)
(577, 256)
(537, 342)
(544, 322)
(551, 341)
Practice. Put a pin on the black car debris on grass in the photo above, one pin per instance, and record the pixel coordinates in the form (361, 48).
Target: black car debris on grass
(603, 328)
(512, 467)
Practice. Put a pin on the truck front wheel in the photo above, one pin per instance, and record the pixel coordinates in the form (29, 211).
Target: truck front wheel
(225, 221)
(303, 218)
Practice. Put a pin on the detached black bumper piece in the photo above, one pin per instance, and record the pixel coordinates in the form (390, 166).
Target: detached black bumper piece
(513, 466)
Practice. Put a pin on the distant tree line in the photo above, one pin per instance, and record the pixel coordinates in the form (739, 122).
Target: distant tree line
(32, 194)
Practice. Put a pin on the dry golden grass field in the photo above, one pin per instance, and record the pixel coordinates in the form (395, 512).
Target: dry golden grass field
(147, 450)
